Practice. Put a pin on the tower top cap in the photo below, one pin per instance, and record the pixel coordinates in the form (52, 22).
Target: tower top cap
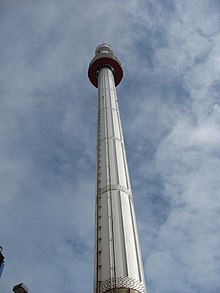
(104, 57)
(104, 48)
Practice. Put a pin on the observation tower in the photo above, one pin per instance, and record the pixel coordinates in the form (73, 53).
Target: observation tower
(118, 262)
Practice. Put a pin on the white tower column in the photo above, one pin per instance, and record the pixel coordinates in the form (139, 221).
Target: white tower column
(118, 263)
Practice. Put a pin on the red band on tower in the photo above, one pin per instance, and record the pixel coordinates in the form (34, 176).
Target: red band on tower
(104, 60)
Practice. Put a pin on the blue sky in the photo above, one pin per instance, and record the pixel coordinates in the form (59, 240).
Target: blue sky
(170, 110)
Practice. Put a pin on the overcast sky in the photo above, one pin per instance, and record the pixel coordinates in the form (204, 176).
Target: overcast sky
(170, 110)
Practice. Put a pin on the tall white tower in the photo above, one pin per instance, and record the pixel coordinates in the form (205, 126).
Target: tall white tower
(118, 263)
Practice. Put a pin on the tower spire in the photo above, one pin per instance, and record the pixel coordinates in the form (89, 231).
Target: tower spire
(118, 263)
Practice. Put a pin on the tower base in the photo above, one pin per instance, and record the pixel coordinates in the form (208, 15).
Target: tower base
(122, 290)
